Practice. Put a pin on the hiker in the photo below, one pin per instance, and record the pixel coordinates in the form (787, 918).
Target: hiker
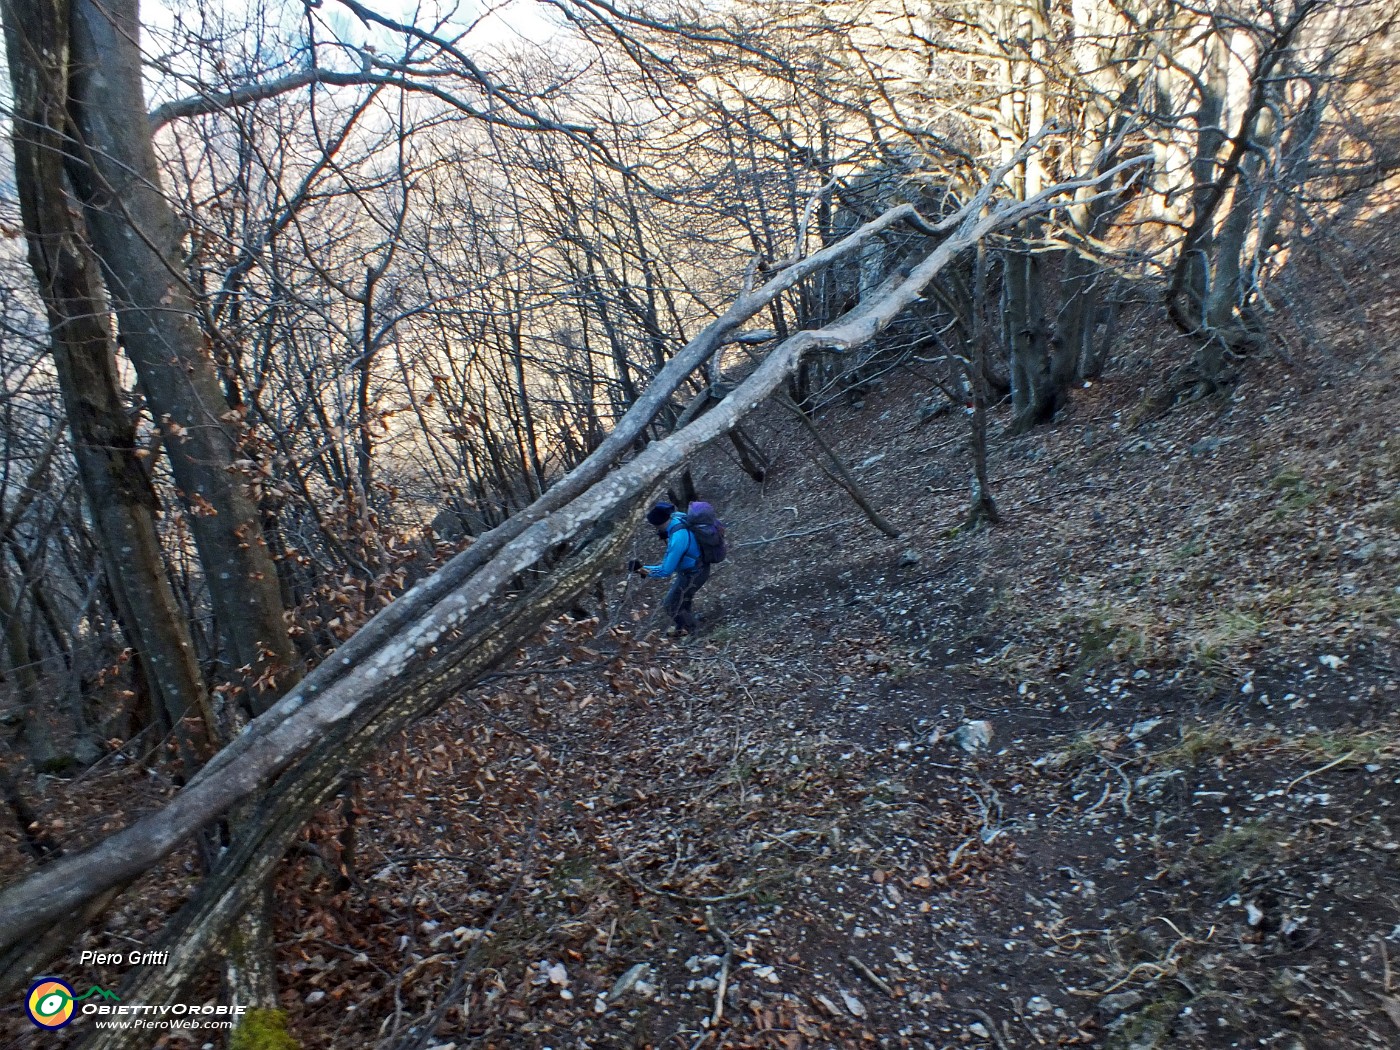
(694, 542)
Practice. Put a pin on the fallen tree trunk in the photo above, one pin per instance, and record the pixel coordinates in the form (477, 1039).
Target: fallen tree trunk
(442, 634)
(381, 647)
(193, 936)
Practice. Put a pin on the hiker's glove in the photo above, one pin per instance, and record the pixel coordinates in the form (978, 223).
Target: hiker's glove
(635, 566)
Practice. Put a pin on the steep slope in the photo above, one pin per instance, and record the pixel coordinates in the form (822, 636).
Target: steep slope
(784, 833)
(1182, 639)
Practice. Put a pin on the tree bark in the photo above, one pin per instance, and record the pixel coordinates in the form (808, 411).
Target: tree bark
(135, 234)
(117, 489)
(982, 507)
(1034, 395)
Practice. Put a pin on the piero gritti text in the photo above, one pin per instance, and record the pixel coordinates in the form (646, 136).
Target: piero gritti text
(136, 958)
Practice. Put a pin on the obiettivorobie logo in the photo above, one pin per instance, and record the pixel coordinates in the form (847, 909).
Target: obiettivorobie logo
(50, 1002)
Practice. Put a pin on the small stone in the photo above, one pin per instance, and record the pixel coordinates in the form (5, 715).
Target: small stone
(908, 558)
(315, 997)
(629, 980)
(1038, 1004)
(973, 737)
(853, 1004)
(929, 410)
(1331, 660)
(1141, 729)
(978, 1030)
(1141, 675)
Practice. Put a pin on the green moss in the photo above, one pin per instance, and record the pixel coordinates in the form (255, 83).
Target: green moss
(263, 1030)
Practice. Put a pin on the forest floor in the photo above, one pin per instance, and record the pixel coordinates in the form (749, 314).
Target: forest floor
(790, 832)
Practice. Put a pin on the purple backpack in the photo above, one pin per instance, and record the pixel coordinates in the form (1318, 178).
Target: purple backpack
(708, 531)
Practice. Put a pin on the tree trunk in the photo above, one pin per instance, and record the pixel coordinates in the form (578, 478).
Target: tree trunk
(981, 508)
(1034, 396)
(1210, 136)
(232, 893)
(118, 492)
(751, 458)
(136, 236)
(36, 735)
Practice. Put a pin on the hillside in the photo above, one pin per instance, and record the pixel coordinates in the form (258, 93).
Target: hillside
(1182, 639)
(1182, 833)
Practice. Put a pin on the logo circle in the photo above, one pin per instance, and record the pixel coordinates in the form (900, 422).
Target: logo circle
(50, 1003)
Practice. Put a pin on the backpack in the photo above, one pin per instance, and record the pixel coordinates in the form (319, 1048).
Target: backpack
(708, 531)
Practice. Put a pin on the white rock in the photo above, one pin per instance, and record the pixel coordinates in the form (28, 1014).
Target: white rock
(973, 737)
(1141, 729)
(853, 1004)
(315, 997)
(558, 975)
(1038, 1004)
(629, 980)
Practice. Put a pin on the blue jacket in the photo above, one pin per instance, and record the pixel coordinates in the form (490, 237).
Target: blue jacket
(682, 550)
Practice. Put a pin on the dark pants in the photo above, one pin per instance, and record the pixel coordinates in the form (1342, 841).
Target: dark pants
(682, 593)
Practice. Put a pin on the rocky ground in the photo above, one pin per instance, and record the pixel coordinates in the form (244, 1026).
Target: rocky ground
(1121, 771)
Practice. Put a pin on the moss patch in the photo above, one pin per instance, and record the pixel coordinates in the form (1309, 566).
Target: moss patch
(263, 1030)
